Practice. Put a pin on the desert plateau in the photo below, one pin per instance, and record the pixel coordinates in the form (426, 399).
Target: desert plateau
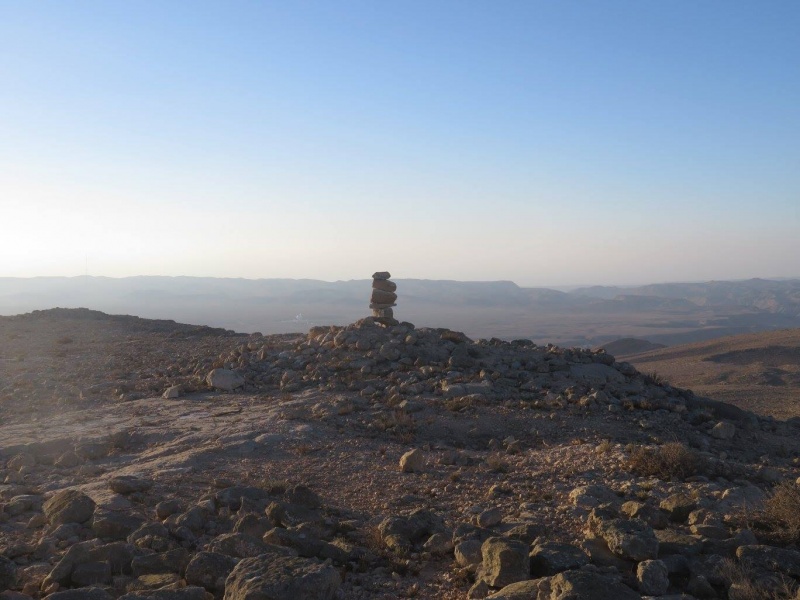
(150, 459)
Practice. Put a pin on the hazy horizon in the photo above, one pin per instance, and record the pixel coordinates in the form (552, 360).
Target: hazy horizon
(566, 287)
(549, 144)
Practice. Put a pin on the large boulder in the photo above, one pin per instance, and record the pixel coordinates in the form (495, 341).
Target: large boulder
(210, 570)
(629, 539)
(583, 584)
(69, 506)
(770, 559)
(224, 379)
(81, 594)
(276, 577)
(8, 573)
(550, 558)
(505, 561)
(653, 577)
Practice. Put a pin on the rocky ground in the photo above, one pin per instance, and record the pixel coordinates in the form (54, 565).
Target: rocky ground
(148, 459)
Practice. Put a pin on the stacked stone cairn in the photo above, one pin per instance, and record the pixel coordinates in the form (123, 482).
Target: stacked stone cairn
(383, 298)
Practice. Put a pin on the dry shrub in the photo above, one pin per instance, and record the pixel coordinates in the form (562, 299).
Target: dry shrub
(496, 463)
(654, 378)
(671, 461)
(782, 509)
(747, 588)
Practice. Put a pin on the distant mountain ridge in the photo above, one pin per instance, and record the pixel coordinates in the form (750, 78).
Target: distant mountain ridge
(665, 313)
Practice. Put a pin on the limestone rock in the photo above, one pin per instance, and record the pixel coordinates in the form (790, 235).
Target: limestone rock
(678, 507)
(723, 430)
(653, 577)
(412, 461)
(69, 506)
(128, 484)
(210, 570)
(384, 285)
(93, 593)
(381, 297)
(8, 573)
(505, 561)
(630, 539)
(224, 379)
(550, 558)
(281, 578)
(172, 392)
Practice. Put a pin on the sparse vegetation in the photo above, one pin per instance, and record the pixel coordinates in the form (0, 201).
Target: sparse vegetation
(747, 588)
(671, 461)
(782, 510)
(653, 378)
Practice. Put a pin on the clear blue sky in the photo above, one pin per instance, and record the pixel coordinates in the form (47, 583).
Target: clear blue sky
(549, 143)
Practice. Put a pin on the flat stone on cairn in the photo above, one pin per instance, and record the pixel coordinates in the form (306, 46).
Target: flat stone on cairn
(383, 298)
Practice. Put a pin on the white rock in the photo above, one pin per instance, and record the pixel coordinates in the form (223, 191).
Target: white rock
(412, 461)
(172, 392)
(224, 379)
(723, 431)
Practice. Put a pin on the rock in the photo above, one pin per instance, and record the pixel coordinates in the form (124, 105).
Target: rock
(645, 512)
(468, 553)
(75, 555)
(232, 496)
(224, 379)
(167, 508)
(94, 572)
(115, 525)
(525, 590)
(381, 275)
(550, 558)
(630, 539)
(8, 573)
(128, 484)
(478, 591)
(653, 577)
(244, 546)
(382, 297)
(275, 577)
(412, 461)
(489, 517)
(505, 561)
(24, 503)
(590, 496)
(700, 587)
(588, 585)
(69, 506)
(439, 544)
(21, 460)
(187, 593)
(172, 392)
(678, 507)
(384, 284)
(81, 594)
(771, 559)
(209, 570)
(68, 460)
(173, 561)
(723, 430)
(675, 542)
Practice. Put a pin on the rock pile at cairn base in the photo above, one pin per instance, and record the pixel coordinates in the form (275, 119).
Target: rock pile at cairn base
(448, 469)
(383, 298)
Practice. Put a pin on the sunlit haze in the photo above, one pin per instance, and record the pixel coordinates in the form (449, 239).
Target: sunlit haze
(548, 143)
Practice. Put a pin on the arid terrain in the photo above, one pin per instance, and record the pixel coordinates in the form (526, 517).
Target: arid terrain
(758, 372)
(674, 313)
(148, 459)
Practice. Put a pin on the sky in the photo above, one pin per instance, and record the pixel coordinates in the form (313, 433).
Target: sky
(548, 143)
